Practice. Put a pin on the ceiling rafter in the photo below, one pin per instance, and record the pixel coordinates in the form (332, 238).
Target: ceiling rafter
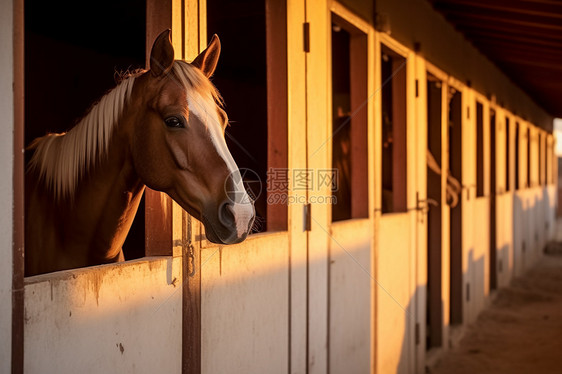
(522, 37)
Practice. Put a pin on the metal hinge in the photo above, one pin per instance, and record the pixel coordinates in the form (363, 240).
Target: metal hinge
(417, 88)
(307, 217)
(306, 37)
(468, 292)
(417, 333)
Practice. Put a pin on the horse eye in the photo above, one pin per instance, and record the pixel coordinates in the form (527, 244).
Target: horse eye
(174, 122)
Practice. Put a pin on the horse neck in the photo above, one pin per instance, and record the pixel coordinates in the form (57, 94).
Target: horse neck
(108, 199)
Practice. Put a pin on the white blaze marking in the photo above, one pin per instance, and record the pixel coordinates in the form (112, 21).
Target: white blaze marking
(205, 110)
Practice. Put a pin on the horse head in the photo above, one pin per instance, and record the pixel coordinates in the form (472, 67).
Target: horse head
(178, 146)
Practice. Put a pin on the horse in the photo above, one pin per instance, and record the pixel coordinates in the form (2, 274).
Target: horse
(163, 128)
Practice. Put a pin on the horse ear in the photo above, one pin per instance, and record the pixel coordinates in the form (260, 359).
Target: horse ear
(207, 60)
(162, 54)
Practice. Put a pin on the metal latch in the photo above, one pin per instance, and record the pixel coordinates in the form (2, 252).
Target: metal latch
(189, 248)
(424, 205)
(191, 256)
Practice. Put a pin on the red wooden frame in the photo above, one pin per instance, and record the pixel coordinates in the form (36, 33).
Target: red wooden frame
(277, 97)
(158, 206)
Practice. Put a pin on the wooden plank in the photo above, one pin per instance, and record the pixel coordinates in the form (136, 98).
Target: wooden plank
(132, 306)
(524, 21)
(317, 115)
(456, 213)
(493, 203)
(158, 224)
(277, 96)
(194, 30)
(503, 9)
(359, 160)
(178, 29)
(18, 183)
(191, 300)
(399, 127)
(434, 182)
(376, 185)
(192, 38)
(349, 301)
(158, 19)
(158, 206)
(296, 113)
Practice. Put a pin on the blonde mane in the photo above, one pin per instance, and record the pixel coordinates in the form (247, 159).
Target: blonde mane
(61, 160)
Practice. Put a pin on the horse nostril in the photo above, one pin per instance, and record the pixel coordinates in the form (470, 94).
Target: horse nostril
(226, 214)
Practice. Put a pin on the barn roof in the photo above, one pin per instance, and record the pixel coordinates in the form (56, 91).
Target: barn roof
(522, 37)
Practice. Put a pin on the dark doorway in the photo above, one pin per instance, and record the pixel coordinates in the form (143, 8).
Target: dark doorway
(241, 78)
(528, 157)
(507, 155)
(493, 244)
(72, 58)
(349, 121)
(479, 149)
(455, 166)
(394, 131)
(517, 152)
(251, 77)
(434, 228)
(540, 161)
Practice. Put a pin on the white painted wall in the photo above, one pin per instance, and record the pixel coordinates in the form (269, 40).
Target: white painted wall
(505, 232)
(6, 192)
(395, 298)
(245, 306)
(124, 318)
(350, 296)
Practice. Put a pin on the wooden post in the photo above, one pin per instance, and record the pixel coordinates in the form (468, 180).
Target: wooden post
(277, 140)
(191, 300)
(158, 206)
(193, 20)
(18, 183)
(359, 165)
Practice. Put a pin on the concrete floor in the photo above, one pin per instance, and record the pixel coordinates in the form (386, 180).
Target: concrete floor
(520, 333)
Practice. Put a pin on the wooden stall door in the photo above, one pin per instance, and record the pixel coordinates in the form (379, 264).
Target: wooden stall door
(317, 57)
(435, 211)
(350, 231)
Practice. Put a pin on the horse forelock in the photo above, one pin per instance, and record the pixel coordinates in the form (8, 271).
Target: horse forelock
(202, 95)
(61, 160)
(205, 102)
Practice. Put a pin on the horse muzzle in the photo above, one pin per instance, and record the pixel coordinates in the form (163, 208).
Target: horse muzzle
(233, 224)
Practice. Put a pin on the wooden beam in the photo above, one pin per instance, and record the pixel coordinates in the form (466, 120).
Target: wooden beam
(191, 299)
(501, 7)
(277, 99)
(194, 34)
(466, 27)
(535, 52)
(18, 196)
(359, 125)
(515, 38)
(158, 206)
(455, 17)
